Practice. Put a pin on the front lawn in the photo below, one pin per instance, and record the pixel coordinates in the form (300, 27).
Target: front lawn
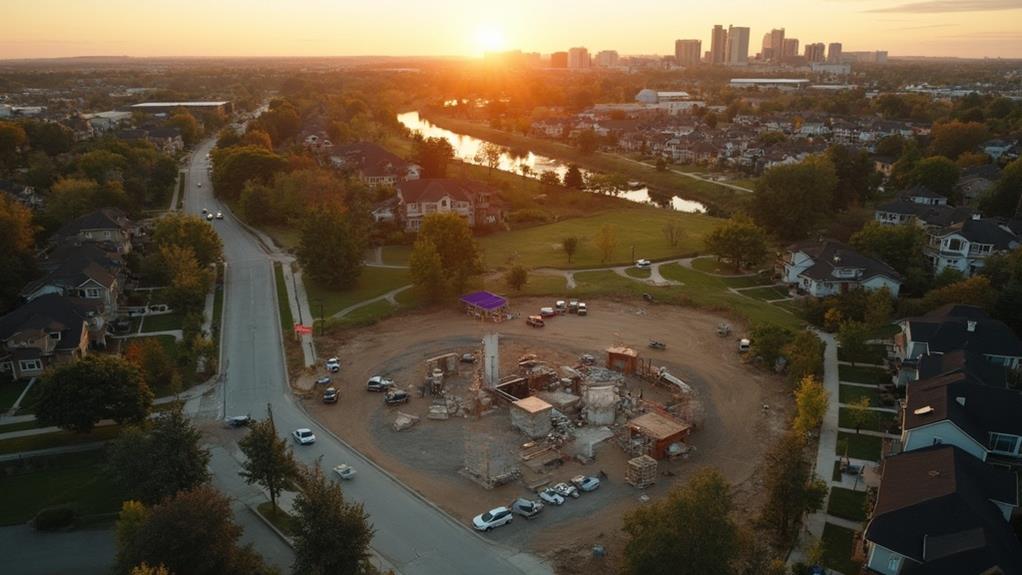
(874, 353)
(57, 439)
(866, 447)
(861, 374)
(767, 293)
(78, 480)
(396, 255)
(162, 322)
(10, 391)
(879, 420)
(847, 504)
(371, 283)
(711, 292)
(714, 266)
(641, 273)
(837, 549)
(853, 393)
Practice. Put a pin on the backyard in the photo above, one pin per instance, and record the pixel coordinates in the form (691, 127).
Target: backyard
(837, 549)
(862, 374)
(847, 504)
(77, 479)
(866, 447)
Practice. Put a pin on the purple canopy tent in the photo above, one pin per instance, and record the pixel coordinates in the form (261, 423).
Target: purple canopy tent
(486, 305)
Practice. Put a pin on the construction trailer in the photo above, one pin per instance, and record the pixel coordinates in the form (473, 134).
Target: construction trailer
(641, 472)
(486, 306)
(532, 416)
(623, 359)
(654, 434)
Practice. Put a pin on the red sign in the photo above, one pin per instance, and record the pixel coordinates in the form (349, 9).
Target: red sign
(302, 329)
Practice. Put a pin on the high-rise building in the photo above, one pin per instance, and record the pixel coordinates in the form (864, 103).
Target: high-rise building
(776, 44)
(766, 52)
(606, 59)
(687, 52)
(559, 60)
(815, 52)
(718, 44)
(834, 53)
(790, 48)
(578, 58)
(737, 53)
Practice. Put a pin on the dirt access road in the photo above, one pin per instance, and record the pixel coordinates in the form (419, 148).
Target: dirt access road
(734, 431)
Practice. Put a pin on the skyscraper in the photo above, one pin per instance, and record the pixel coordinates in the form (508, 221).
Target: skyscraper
(559, 60)
(834, 53)
(687, 52)
(766, 52)
(776, 44)
(790, 48)
(718, 44)
(815, 52)
(606, 59)
(737, 53)
(578, 58)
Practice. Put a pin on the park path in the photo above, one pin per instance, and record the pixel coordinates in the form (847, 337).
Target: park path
(655, 278)
(390, 297)
(689, 175)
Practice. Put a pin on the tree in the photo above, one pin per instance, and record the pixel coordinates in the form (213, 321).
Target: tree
(805, 356)
(573, 178)
(186, 230)
(879, 307)
(1005, 198)
(154, 461)
(937, 173)
(587, 142)
(606, 241)
(234, 166)
(689, 532)
(661, 164)
(901, 247)
(331, 248)
(788, 198)
(152, 358)
(257, 137)
(459, 253)
(570, 246)
(433, 154)
(193, 532)
(853, 169)
(76, 396)
(550, 178)
(188, 280)
(975, 291)
(51, 138)
(228, 137)
(17, 250)
(738, 241)
(673, 233)
(331, 536)
(792, 489)
(269, 461)
(951, 139)
(146, 569)
(811, 401)
(489, 155)
(12, 139)
(516, 277)
(187, 125)
(426, 269)
(852, 337)
(860, 413)
(768, 341)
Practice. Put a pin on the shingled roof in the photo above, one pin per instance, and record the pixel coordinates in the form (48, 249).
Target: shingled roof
(954, 326)
(48, 314)
(828, 255)
(982, 231)
(432, 189)
(975, 408)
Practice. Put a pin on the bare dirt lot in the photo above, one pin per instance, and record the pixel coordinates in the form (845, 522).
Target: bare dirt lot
(735, 428)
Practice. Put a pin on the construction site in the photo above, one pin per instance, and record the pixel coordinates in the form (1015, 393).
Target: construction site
(499, 411)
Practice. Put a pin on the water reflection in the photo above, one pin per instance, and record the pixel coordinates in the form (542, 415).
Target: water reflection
(466, 148)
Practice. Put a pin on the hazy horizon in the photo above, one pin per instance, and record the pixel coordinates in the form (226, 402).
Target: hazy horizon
(324, 28)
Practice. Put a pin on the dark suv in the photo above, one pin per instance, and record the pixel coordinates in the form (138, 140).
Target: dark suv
(330, 395)
(395, 396)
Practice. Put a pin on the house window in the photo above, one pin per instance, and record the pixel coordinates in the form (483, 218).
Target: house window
(93, 293)
(1003, 443)
(106, 234)
(55, 336)
(954, 244)
(893, 563)
(30, 365)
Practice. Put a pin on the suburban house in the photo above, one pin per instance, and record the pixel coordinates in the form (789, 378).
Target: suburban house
(21, 193)
(884, 165)
(970, 363)
(101, 226)
(957, 409)
(373, 164)
(79, 277)
(827, 267)
(477, 202)
(167, 140)
(940, 510)
(50, 329)
(965, 246)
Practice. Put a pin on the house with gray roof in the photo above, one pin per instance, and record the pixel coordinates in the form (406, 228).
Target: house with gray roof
(477, 202)
(105, 225)
(828, 267)
(965, 246)
(373, 164)
(49, 330)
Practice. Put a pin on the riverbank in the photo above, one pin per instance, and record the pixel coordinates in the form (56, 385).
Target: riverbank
(718, 198)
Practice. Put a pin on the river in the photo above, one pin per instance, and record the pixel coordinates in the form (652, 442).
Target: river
(467, 147)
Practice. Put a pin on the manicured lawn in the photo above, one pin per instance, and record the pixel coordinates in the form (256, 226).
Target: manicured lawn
(58, 439)
(31, 400)
(608, 282)
(537, 284)
(78, 480)
(640, 228)
(711, 293)
(860, 374)
(714, 266)
(874, 353)
(766, 293)
(865, 447)
(286, 237)
(746, 281)
(286, 322)
(641, 273)
(373, 282)
(9, 393)
(396, 255)
(836, 473)
(852, 393)
(879, 420)
(847, 504)
(281, 519)
(8, 428)
(162, 322)
(837, 549)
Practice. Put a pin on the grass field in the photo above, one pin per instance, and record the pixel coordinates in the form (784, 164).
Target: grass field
(767, 293)
(866, 447)
(847, 504)
(837, 549)
(78, 481)
(396, 255)
(853, 393)
(286, 237)
(879, 420)
(537, 284)
(10, 391)
(859, 374)
(638, 229)
(57, 439)
(162, 322)
(713, 266)
(373, 282)
(874, 353)
(711, 292)
(641, 273)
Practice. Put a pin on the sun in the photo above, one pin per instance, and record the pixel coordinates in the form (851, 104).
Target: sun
(489, 38)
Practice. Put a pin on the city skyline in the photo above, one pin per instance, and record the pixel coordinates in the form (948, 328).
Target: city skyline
(61, 28)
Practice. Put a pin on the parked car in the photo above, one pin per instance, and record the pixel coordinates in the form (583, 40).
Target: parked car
(586, 483)
(238, 420)
(330, 395)
(468, 358)
(561, 306)
(219, 215)
(643, 263)
(527, 508)
(204, 211)
(325, 380)
(582, 309)
(535, 321)
(566, 490)
(495, 517)
(572, 306)
(657, 344)
(209, 217)
(379, 383)
(550, 496)
(547, 312)
(333, 365)
(744, 345)
(304, 436)
(344, 471)
(395, 396)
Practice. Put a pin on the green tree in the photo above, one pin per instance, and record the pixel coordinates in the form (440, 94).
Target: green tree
(573, 178)
(516, 277)
(768, 341)
(17, 250)
(606, 241)
(853, 337)
(257, 137)
(738, 241)
(860, 414)
(939, 174)
(805, 356)
(76, 396)
(879, 308)
(269, 461)
(550, 178)
(186, 230)
(146, 569)
(426, 269)
(901, 247)
(156, 460)
(228, 137)
(459, 253)
(331, 248)
(689, 532)
(792, 489)
(102, 165)
(570, 246)
(970, 291)
(788, 198)
(331, 536)
(489, 155)
(41, 171)
(51, 138)
(661, 164)
(853, 169)
(1005, 198)
(587, 142)
(188, 280)
(234, 166)
(811, 401)
(951, 139)
(433, 154)
(12, 140)
(187, 125)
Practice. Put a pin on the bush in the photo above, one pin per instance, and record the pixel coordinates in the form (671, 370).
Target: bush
(528, 216)
(54, 518)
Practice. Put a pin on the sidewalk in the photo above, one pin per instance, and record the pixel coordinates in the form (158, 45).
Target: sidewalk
(299, 302)
(826, 454)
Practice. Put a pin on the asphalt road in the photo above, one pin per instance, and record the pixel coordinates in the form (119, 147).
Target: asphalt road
(411, 534)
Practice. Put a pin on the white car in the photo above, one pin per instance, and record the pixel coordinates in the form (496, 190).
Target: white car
(379, 383)
(495, 517)
(344, 471)
(333, 365)
(566, 490)
(219, 215)
(209, 217)
(550, 496)
(304, 436)
(586, 483)
(642, 263)
(199, 184)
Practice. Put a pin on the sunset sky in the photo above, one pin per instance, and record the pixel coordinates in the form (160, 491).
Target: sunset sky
(50, 28)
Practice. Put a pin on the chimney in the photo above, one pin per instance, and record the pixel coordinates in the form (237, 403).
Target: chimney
(961, 400)
(970, 326)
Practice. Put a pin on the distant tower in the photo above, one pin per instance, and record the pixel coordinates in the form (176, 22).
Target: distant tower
(834, 53)
(737, 46)
(718, 45)
(687, 52)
